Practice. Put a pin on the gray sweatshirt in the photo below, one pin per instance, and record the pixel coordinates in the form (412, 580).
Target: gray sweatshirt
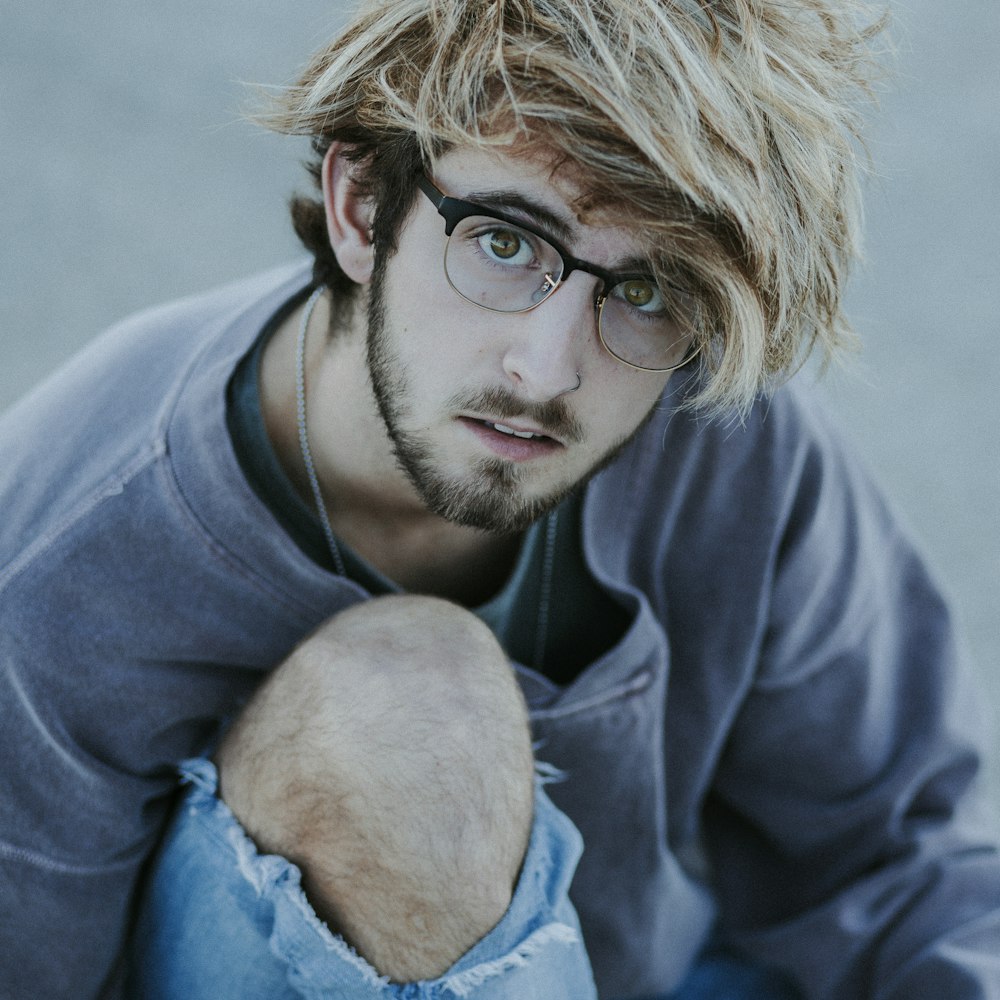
(783, 744)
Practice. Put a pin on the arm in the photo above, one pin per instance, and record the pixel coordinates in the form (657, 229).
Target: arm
(128, 623)
(73, 834)
(854, 844)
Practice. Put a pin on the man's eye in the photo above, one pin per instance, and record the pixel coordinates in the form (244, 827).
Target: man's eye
(506, 245)
(641, 294)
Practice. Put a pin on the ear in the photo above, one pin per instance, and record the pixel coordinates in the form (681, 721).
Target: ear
(348, 216)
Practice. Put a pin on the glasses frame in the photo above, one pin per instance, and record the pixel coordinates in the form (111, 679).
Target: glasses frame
(455, 210)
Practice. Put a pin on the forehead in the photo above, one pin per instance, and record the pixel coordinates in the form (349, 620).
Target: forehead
(565, 206)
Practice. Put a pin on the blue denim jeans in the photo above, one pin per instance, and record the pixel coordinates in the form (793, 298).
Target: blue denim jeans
(220, 921)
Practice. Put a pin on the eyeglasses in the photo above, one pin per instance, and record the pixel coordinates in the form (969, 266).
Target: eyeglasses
(504, 265)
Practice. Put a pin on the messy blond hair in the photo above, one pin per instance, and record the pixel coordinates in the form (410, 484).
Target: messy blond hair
(724, 131)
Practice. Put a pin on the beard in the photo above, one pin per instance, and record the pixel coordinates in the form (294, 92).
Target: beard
(491, 496)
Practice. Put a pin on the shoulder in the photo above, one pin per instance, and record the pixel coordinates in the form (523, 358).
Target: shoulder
(93, 425)
(727, 488)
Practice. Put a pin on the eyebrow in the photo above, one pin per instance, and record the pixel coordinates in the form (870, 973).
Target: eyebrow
(505, 200)
(555, 225)
(633, 265)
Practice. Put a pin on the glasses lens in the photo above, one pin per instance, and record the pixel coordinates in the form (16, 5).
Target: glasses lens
(646, 327)
(499, 266)
(502, 267)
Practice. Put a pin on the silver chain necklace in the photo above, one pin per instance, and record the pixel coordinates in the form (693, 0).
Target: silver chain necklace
(551, 520)
(300, 400)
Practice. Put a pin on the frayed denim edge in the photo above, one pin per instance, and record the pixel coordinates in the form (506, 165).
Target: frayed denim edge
(548, 774)
(462, 984)
(272, 877)
(280, 881)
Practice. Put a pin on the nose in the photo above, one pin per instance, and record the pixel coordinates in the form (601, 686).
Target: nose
(546, 354)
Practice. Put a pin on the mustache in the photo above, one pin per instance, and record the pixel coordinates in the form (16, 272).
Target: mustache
(553, 416)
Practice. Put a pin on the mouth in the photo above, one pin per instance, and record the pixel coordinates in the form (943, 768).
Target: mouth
(526, 435)
(510, 441)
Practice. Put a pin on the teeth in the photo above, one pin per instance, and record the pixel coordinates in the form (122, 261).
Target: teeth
(504, 429)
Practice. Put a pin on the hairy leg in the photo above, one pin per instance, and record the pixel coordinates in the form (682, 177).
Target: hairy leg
(390, 758)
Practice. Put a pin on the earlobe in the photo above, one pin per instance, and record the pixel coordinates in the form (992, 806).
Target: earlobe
(348, 216)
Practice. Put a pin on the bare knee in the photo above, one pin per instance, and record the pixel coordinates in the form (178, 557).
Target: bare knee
(390, 758)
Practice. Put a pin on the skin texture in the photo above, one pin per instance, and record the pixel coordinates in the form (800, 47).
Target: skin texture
(390, 758)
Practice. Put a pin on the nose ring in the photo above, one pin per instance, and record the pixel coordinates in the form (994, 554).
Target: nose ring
(579, 382)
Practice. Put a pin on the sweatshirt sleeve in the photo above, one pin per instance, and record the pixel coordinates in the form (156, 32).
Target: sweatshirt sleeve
(143, 594)
(118, 658)
(62, 922)
(86, 780)
(849, 826)
(79, 807)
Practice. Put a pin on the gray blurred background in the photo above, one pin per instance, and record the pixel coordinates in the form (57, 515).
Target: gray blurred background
(127, 177)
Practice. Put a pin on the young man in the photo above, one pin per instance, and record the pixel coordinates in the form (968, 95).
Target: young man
(564, 253)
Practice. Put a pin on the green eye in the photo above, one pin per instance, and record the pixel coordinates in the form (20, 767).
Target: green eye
(641, 294)
(504, 243)
(638, 293)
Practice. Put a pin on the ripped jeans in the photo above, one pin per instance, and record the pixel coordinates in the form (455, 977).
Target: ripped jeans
(220, 921)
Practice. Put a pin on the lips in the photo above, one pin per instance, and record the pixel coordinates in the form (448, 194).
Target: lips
(517, 444)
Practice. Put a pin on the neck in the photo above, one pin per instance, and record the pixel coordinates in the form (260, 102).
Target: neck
(370, 504)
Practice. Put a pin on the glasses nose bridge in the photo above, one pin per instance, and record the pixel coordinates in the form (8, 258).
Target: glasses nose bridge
(571, 264)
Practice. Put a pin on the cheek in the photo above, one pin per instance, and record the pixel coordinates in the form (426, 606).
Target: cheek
(415, 272)
(427, 321)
